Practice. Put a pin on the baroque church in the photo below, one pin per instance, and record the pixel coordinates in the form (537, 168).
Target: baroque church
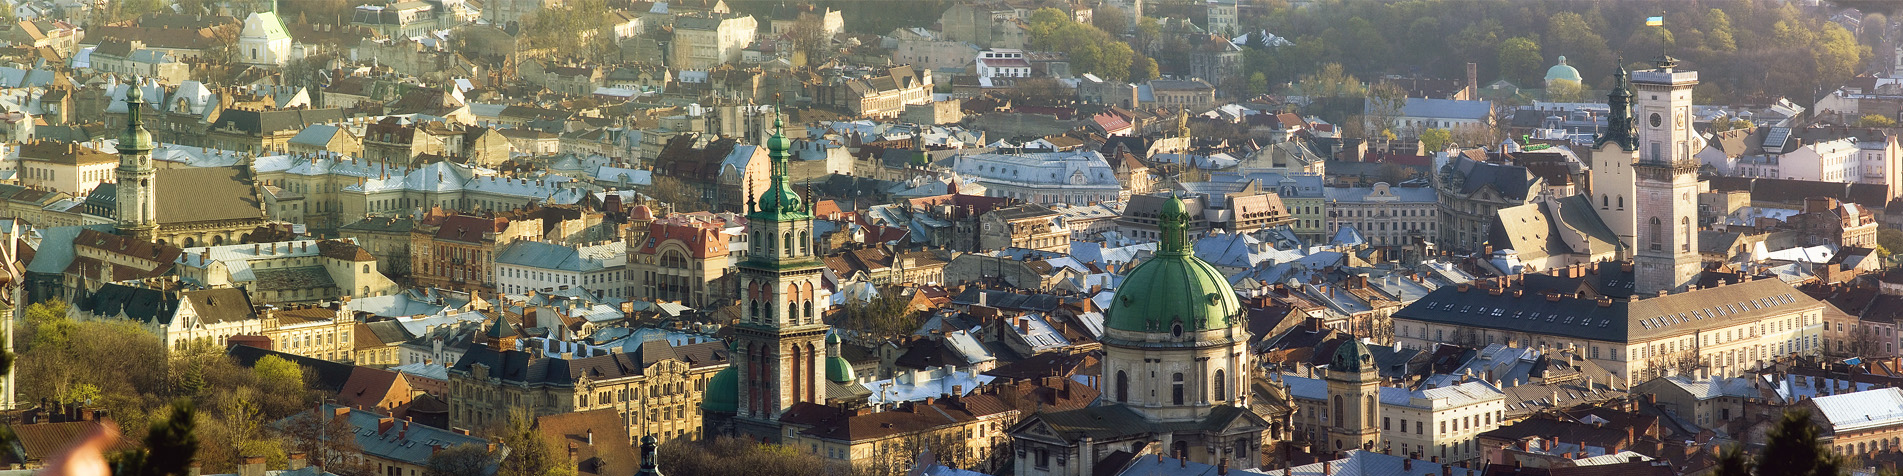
(1642, 201)
(1176, 368)
(178, 206)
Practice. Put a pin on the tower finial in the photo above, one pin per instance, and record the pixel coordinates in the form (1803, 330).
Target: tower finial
(1173, 220)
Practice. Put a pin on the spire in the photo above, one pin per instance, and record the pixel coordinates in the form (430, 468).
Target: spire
(1174, 221)
(1619, 126)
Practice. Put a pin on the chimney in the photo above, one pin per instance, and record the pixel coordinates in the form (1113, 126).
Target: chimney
(1446, 470)
(591, 437)
(251, 466)
(1182, 458)
(1328, 467)
(1222, 467)
(1407, 463)
(295, 461)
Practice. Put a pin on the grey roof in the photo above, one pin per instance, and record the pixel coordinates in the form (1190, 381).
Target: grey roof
(307, 277)
(404, 441)
(1513, 182)
(1447, 108)
(1618, 320)
(56, 248)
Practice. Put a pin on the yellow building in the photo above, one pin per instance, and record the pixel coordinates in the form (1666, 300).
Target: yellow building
(657, 387)
(1728, 329)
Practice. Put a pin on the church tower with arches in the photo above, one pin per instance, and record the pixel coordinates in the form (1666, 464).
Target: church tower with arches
(780, 338)
(1644, 179)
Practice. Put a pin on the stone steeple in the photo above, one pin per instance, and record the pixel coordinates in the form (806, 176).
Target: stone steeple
(137, 209)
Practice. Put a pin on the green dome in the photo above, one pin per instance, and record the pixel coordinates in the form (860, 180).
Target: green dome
(1174, 286)
(1562, 71)
(1351, 356)
(723, 392)
(839, 370)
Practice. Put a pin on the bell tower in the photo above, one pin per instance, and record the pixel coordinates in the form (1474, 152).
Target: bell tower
(138, 212)
(1354, 399)
(1667, 186)
(780, 335)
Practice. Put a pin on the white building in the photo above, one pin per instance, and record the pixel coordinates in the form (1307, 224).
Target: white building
(1443, 423)
(287, 272)
(532, 266)
(1383, 214)
(264, 40)
(1003, 63)
(1818, 154)
(1044, 178)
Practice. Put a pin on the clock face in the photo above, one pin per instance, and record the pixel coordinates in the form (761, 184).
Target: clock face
(1656, 120)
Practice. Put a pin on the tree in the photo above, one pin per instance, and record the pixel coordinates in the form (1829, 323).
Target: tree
(1727, 123)
(1875, 120)
(1110, 19)
(1733, 462)
(683, 196)
(323, 437)
(459, 460)
(169, 446)
(1258, 84)
(884, 315)
(1793, 449)
(1142, 68)
(1520, 61)
(1433, 140)
(277, 373)
(1385, 101)
(1718, 33)
(531, 454)
(1565, 90)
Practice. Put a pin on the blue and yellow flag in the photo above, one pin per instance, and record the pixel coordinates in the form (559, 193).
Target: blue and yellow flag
(1655, 21)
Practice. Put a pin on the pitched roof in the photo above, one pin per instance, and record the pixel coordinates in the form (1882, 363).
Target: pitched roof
(599, 437)
(195, 194)
(1619, 320)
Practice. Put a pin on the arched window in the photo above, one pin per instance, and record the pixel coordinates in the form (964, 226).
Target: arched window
(1685, 228)
(1622, 202)
(1217, 389)
(1368, 407)
(1176, 389)
(788, 251)
(803, 241)
(1123, 386)
(809, 309)
(1338, 411)
(1654, 235)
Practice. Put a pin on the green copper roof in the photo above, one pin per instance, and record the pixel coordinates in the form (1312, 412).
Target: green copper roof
(1174, 287)
(839, 370)
(723, 392)
(1351, 356)
(135, 138)
(780, 202)
(1562, 71)
(498, 328)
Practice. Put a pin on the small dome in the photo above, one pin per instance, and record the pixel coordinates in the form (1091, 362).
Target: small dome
(1351, 356)
(723, 392)
(641, 212)
(839, 370)
(1562, 71)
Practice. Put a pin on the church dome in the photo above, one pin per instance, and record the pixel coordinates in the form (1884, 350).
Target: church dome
(1351, 356)
(723, 392)
(1174, 287)
(1562, 71)
(641, 212)
(838, 369)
